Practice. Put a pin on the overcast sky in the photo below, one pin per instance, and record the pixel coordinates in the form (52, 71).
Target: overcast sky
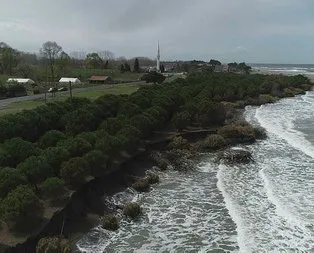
(267, 31)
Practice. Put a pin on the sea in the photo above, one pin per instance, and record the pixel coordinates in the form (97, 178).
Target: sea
(264, 206)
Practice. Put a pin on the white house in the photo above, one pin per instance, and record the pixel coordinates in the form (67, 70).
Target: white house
(20, 81)
(66, 80)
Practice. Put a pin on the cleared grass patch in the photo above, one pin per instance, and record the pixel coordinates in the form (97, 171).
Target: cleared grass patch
(92, 93)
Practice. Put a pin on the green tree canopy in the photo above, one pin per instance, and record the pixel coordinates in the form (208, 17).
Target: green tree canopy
(75, 170)
(55, 156)
(53, 187)
(94, 60)
(10, 178)
(36, 169)
(97, 161)
(16, 150)
(51, 138)
(76, 146)
(181, 120)
(50, 51)
(21, 208)
(153, 77)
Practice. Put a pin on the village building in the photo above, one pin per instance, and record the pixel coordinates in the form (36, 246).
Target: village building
(67, 80)
(23, 81)
(100, 80)
(221, 68)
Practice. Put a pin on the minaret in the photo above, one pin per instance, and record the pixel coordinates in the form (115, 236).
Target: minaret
(158, 59)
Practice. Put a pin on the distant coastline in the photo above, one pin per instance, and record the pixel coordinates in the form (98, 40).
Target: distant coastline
(284, 69)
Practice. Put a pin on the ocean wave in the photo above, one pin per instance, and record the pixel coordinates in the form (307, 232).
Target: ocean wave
(280, 119)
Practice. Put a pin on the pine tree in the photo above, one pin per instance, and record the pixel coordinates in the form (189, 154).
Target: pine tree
(127, 67)
(122, 69)
(136, 65)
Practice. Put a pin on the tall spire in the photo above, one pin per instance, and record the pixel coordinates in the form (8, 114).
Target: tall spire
(158, 58)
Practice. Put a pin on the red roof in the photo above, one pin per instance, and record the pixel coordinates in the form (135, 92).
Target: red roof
(99, 78)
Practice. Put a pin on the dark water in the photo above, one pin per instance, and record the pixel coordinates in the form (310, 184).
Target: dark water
(265, 206)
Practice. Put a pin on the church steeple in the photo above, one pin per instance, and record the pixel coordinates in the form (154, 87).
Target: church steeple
(158, 58)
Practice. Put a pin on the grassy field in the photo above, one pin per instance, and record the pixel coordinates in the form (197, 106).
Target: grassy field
(91, 94)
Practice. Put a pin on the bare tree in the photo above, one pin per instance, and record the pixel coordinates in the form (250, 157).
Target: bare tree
(51, 51)
(106, 55)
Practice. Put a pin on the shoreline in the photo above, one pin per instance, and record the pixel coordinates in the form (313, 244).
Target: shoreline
(119, 177)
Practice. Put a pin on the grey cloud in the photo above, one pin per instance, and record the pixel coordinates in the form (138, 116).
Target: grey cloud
(185, 28)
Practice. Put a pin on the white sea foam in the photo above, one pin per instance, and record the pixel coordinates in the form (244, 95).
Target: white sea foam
(265, 206)
(281, 208)
(279, 119)
(185, 212)
(243, 238)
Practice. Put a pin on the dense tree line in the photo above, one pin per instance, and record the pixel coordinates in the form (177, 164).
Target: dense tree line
(52, 62)
(46, 150)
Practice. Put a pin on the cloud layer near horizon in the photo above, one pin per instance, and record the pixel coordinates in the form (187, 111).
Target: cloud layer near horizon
(273, 31)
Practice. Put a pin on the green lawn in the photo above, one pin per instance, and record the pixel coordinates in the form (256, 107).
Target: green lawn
(20, 106)
(91, 94)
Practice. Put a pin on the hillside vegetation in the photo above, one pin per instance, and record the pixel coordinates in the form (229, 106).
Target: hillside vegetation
(51, 151)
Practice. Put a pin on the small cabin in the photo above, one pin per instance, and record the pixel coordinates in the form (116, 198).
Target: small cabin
(100, 80)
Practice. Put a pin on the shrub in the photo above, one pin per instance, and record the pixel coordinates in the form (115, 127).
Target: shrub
(75, 170)
(53, 187)
(110, 222)
(153, 178)
(213, 142)
(260, 133)
(132, 210)
(178, 142)
(53, 245)
(211, 113)
(230, 109)
(51, 138)
(161, 162)
(237, 133)
(288, 92)
(21, 208)
(10, 179)
(265, 99)
(141, 185)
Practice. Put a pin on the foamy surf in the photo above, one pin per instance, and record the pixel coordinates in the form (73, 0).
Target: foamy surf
(264, 206)
(184, 213)
(280, 119)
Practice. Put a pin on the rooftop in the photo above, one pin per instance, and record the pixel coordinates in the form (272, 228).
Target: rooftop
(99, 78)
